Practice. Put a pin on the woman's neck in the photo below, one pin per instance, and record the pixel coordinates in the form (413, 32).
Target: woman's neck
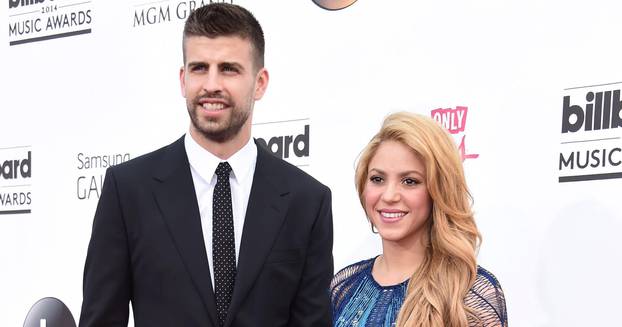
(398, 262)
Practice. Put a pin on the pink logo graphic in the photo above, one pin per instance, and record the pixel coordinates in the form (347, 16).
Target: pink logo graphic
(454, 120)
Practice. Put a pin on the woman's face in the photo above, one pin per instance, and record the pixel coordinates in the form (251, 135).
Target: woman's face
(396, 195)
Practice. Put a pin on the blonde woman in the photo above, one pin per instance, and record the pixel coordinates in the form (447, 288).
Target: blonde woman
(411, 184)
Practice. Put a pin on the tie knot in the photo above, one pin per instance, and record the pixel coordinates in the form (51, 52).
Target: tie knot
(223, 169)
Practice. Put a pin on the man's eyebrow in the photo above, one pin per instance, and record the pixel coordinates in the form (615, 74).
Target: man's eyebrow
(231, 64)
(196, 63)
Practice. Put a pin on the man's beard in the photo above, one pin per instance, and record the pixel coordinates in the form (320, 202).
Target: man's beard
(211, 130)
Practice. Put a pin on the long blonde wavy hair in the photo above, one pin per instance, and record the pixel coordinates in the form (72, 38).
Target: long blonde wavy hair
(436, 291)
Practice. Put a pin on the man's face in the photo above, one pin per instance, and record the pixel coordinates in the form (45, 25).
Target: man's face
(221, 83)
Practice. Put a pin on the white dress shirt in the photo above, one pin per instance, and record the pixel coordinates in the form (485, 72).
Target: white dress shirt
(203, 167)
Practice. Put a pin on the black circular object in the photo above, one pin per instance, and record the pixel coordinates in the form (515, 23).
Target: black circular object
(49, 312)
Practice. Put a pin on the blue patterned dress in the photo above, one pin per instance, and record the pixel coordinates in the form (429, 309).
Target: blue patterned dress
(358, 300)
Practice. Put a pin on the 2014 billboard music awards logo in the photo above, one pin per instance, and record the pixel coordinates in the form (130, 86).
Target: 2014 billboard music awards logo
(41, 20)
(92, 170)
(15, 180)
(158, 12)
(287, 139)
(591, 133)
(454, 120)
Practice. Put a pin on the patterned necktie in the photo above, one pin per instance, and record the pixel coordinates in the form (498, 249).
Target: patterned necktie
(223, 244)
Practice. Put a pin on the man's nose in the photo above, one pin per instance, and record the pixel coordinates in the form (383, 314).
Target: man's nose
(212, 82)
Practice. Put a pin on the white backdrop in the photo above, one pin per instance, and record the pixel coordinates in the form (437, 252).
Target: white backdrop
(113, 92)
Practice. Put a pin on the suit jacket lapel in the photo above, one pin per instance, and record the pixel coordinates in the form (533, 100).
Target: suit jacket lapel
(175, 196)
(266, 210)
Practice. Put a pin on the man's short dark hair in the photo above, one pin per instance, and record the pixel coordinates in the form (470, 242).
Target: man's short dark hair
(222, 19)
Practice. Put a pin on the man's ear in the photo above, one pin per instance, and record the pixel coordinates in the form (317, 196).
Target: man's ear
(182, 81)
(261, 83)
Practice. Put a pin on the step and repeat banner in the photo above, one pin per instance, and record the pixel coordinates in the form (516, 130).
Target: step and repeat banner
(529, 89)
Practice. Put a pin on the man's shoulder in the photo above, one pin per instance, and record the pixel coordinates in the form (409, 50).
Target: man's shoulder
(293, 176)
(150, 161)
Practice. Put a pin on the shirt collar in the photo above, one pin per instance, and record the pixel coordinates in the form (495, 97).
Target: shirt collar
(204, 162)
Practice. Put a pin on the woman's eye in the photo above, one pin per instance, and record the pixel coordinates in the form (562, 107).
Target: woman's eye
(375, 179)
(410, 181)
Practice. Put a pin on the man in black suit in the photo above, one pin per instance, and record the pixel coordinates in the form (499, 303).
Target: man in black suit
(193, 241)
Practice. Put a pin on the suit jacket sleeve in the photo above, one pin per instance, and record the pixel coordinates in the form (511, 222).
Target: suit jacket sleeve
(311, 306)
(107, 279)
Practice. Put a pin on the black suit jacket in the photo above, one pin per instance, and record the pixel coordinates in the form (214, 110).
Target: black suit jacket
(147, 247)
